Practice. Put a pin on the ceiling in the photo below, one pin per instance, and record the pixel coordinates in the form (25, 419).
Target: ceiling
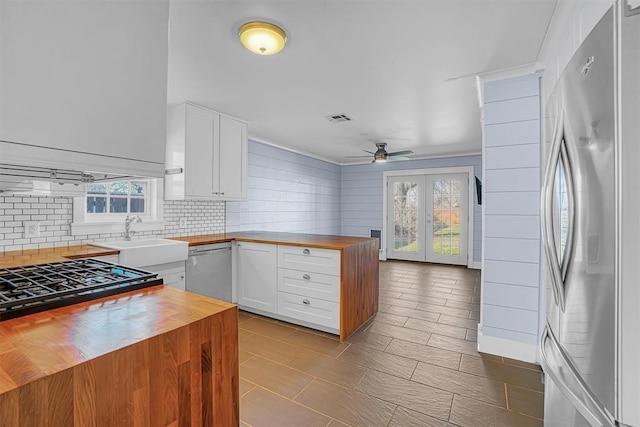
(403, 71)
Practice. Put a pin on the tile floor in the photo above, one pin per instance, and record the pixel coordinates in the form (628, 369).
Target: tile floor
(414, 364)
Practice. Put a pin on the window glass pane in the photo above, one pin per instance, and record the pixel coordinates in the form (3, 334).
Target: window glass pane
(118, 205)
(94, 188)
(120, 188)
(137, 205)
(138, 188)
(96, 204)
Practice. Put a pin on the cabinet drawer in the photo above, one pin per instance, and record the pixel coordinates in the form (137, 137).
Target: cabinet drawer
(175, 280)
(316, 285)
(312, 260)
(308, 309)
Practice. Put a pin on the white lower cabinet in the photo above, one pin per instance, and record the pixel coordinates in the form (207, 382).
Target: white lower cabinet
(256, 276)
(173, 273)
(308, 309)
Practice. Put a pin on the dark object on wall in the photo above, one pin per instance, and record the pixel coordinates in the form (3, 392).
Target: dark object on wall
(479, 190)
(377, 234)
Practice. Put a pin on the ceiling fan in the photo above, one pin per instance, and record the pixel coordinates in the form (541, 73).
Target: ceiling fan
(381, 154)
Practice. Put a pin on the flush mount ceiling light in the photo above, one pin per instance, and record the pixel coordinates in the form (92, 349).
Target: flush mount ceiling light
(262, 38)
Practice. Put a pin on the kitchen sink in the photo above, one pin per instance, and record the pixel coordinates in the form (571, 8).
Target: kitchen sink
(142, 253)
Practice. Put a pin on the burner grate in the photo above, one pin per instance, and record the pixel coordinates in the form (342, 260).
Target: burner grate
(33, 288)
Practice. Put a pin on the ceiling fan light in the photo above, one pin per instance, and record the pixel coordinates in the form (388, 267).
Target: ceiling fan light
(262, 38)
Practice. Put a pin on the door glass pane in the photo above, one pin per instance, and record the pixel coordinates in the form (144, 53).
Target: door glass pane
(446, 217)
(561, 209)
(406, 200)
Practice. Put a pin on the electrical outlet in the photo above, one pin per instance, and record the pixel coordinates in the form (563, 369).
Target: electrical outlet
(31, 229)
(183, 222)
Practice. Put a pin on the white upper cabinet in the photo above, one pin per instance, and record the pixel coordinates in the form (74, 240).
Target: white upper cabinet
(206, 155)
(84, 84)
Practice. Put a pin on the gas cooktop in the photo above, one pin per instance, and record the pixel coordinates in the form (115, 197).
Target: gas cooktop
(34, 288)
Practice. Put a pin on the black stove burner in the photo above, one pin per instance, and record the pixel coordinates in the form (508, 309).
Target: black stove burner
(35, 288)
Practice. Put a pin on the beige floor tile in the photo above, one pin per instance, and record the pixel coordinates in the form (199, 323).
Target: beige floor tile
(336, 423)
(243, 334)
(243, 424)
(267, 328)
(269, 348)
(383, 307)
(370, 339)
(522, 364)
(475, 315)
(414, 314)
(457, 382)
(245, 386)
(392, 319)
(471, 335)
(330, 346)
(408, 394)
(422, 353)
(243, 316)
(453, 344)
(261, 408)
(328, 368)
(243, 356)
(434, 308)
(399, 332)
(423, 298)
(525, 401)
(467, 412)
(510, 374)
(407, 418)
(389, 294)
(458, 321)
(384, 362)
(436, 328)
(462, 305)
(348, 406)
(274, 377)
(396, 303)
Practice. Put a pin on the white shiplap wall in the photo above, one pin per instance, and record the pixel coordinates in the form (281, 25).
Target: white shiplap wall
(511, 233)
(362, 194)
(287, 191)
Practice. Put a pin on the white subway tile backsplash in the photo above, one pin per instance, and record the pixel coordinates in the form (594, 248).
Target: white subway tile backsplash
(56, 214)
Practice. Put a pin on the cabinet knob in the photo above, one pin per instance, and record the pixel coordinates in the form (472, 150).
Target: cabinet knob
(222, 194)
(306, 251)
(306, 301)
(181, 277)
(306, 277)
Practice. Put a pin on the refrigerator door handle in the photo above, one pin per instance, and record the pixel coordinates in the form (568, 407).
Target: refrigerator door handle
(548, 237)
(570, 185)
(586, 404)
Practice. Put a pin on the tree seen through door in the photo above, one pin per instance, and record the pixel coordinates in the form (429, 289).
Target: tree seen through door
(446, 217)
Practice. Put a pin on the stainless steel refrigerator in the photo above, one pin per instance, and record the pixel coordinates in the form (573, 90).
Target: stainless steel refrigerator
(590, 347)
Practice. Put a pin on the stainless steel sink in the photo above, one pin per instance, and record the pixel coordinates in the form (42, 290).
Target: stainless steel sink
(141, 253)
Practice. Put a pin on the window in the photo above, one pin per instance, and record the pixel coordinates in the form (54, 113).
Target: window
(120, 197)
(105, 206)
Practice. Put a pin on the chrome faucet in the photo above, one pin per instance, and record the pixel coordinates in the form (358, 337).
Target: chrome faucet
(127, 226)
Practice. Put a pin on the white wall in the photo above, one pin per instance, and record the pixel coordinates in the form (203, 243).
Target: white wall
(511, 230)
(287, 191)
(362, 194)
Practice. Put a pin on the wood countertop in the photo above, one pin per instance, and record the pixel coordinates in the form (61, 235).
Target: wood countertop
(42, 344)
(46, 255)
(278, 238)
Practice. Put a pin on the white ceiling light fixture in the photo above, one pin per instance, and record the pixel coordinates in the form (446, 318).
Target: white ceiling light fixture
(262, 38)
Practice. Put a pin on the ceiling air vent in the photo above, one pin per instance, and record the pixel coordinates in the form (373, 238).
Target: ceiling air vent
(337, 118)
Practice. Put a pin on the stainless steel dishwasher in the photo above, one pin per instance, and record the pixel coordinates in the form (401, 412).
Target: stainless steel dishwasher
(209, 271)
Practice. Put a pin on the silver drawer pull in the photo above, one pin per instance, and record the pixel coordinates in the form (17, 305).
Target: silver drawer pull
(306, 277)
(306, 301)
(306, 251)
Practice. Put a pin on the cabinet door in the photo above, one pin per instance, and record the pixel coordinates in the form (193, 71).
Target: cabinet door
(202, 136)
(257, 276)
(232, 159)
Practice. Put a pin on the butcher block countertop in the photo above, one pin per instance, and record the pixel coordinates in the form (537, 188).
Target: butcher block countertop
(145, 357)
(46, 255)
(278, 238)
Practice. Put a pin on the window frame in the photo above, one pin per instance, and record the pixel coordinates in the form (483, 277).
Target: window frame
(111, 216)
(84, 223)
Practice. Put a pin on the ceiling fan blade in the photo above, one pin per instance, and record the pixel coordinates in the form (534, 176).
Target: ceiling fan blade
(400, 153)
(370, 152)
(357, 157)
(397, 158)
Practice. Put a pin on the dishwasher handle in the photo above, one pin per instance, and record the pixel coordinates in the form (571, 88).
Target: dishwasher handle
(195, 252)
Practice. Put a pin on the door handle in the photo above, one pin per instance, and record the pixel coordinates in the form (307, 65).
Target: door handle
(548, 237)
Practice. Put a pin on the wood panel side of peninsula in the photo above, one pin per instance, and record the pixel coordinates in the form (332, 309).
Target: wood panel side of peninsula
(183, 376)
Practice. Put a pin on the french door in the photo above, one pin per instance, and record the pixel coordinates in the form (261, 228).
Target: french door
(428, 218)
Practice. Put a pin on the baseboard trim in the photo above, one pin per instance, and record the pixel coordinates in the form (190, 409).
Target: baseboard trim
(507, 348)
(476, 265)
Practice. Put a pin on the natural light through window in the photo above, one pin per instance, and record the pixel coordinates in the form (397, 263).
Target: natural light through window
(119, 198)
